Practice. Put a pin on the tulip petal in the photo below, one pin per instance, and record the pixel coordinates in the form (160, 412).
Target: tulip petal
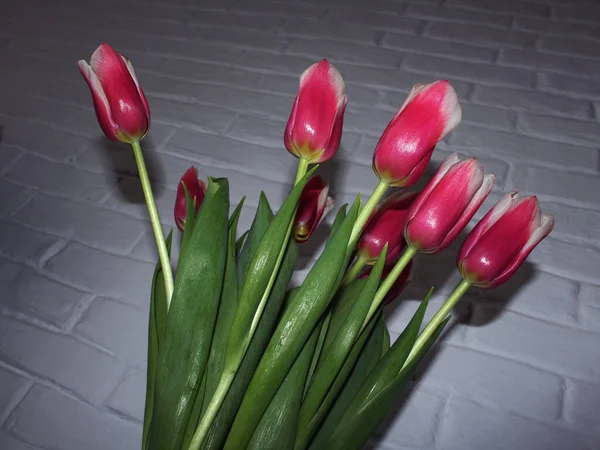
(469, 212)
(101, 106)
(287, 135)
(320, 97)
(336, 134)
(497, 211)
(429, 113)
(313, 206)
(196, 189)
(444, 208)
(547, 224)
(385, 225)
(126, 106)
(448, 162)
(137, 85)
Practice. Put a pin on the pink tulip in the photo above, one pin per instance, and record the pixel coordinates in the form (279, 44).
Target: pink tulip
(502, 240)
(196, 188)
(120, 103)
(386, 224)
(448, 202)
(314, 129)
(430, 112)
(401, 282)
(313, 206)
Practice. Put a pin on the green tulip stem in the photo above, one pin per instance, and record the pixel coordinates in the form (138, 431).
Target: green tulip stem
(387, 284)
(302, 167)
(354, 271)
(364, 215)
(437, 319)
(163, 254)
(211, 410)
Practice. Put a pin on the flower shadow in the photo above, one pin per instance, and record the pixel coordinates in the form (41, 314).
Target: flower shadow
(118, 159)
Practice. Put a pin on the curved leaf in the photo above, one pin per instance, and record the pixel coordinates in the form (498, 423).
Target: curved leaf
(292, 332)
(191, 320)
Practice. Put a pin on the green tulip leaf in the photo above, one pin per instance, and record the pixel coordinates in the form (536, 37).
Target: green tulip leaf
(277, 428)
(358, 424)
(260, 278)
(334, 357)
(222, 423)
(293, 330)
(191, 320)
(262, 219)
(156, 334)
(367, 360)
(227, 307)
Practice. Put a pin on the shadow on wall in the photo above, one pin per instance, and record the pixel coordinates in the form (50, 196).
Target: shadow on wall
(118, 159)
(476, 308)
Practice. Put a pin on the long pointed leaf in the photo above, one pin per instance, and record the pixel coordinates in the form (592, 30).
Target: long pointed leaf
(368, 359)
(222, 423)
(293, 330)
(227, 307)
(156, 331)
(260, 278)
(262, 219)
(191, 320)
(322, 332)
(356, 427)
(333, 359)
(277, 428)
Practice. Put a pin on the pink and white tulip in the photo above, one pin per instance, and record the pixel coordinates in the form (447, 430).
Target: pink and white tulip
(313, 206)
(196, 188)
(429, 114)
(121, 106)
(386, 225)
(445, 206)
(314, 129)
(501, 241)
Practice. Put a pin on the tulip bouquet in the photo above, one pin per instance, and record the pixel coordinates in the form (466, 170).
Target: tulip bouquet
(237, 359)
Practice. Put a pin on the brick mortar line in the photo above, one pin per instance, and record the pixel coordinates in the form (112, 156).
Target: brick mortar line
(16, 399)
(64, 391)
(499, 355)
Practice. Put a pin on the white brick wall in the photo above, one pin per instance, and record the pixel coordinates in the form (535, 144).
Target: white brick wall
(519, 370)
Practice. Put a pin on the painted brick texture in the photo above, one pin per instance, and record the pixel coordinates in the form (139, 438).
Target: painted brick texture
(519, 370)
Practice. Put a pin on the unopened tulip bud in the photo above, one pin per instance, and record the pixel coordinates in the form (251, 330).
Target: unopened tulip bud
(313, 206)
(386, 225)
(445, 206)
(501, 241)
(196, 189)
(430, 112)
(121, 106)
(314, 129)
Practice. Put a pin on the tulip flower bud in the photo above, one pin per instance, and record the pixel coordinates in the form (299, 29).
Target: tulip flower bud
(196, 188)
(502, 240)
(313, 206)
(314, 129)
(430, 112)
(401, 282)
(386, 225)
(445, 206)
(121, 106)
